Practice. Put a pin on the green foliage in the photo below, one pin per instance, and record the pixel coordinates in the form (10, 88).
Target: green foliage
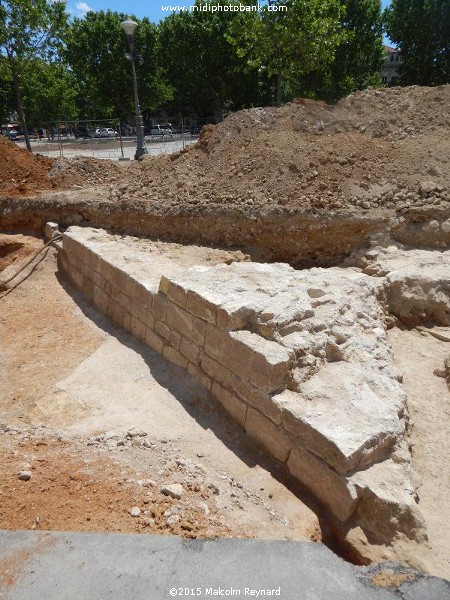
(29, 30)
(49, 92)
(96, 47)
(202, 63)
(357, 59)
(300, 40)
(421, 29)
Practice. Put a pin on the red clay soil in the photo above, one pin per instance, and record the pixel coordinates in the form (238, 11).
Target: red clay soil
(21, 172)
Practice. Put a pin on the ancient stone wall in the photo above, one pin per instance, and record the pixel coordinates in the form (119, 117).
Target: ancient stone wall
(298, 358)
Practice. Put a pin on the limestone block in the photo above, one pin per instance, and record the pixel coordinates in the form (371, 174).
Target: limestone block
(229, 351)
(146, 316)
(51, 230)
(346, 414)
(189, 350)
(268, 435)
(153, 340)
(159, 306)
(124, 301)
(175, 339)
(270, 362)
(387, 503)
(198, 331)
(138, 328)
(70, 244)
(126, 321)
(162, 329)
(332, 489)
(173, 356)
(76, 277)
(101, 299)
(256, 398)
(88, 288)
(142, 295)
(215, 370)
(115, 311)
(179, 319)
(176, 293)
(118, 277)
(201, 307)
(200, 376)
(235, 407)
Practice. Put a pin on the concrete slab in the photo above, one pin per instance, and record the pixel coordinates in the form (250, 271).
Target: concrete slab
(72, 565)
(65, 566)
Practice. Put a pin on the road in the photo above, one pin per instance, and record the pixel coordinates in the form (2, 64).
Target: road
(107, 148)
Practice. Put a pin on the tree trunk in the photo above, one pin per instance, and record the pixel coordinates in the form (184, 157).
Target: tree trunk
(16, 83)
(278, 89)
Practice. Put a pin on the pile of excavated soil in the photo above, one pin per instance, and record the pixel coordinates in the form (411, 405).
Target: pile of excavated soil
(375, 148)
(82, 171)
(23, 173)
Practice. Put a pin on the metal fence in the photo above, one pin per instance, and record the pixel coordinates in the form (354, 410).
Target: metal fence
(109, 139)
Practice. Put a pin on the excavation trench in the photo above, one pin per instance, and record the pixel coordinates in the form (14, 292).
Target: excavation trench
(181, 318)
(302, 238)
(307, 375)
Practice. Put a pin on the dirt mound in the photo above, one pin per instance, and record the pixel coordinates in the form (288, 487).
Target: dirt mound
(82, 171)
(375, 148)
(21, 172)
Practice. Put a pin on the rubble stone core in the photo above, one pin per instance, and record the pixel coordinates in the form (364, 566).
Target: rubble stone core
(299, 359)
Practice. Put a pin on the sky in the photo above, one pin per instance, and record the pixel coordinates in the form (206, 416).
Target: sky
(139, 8)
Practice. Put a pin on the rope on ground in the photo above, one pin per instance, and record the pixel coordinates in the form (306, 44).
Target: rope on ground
(27, 264)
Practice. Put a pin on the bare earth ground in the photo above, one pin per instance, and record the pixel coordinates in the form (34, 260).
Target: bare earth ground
(418, 356)
(67, 378)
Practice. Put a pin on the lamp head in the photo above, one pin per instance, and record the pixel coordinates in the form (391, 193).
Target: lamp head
(129, 27)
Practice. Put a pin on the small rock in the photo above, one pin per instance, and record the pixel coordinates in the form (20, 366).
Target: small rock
(173, 519)
(215, 490)
(204, 508)
(24, 475)
(174, 490)
(426, 187)
(135, 511)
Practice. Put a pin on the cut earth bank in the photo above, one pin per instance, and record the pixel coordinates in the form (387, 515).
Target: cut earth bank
(300, 359)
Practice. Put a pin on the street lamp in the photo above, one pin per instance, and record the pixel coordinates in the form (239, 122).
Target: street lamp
(141, 149)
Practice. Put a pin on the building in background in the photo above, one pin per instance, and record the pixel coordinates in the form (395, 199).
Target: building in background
(390, 71)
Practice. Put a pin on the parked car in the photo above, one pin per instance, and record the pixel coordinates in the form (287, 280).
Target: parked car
(160, 130)
(82, 132)
(108, 132)
(105, 132)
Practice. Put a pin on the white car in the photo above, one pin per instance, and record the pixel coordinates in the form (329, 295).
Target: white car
(160, 130)
(105, 132)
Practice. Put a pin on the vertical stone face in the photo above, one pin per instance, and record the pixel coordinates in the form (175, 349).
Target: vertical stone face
(235, 407)
(258, 338)
(271, 437)
(329, 487)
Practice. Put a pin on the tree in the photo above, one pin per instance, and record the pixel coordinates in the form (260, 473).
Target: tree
(300, 39)
(49, 92)
(358, 57)
(202, 63)
(29, 29)
(96, 47)
(421, 29)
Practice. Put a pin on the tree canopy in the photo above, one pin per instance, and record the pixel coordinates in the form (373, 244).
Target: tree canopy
(421, 29)
(29, 30)
(206, 62)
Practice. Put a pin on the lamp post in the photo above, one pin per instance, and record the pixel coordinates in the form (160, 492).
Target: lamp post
(141, 149)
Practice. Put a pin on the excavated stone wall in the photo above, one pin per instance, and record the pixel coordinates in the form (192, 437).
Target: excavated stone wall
(298, 358)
